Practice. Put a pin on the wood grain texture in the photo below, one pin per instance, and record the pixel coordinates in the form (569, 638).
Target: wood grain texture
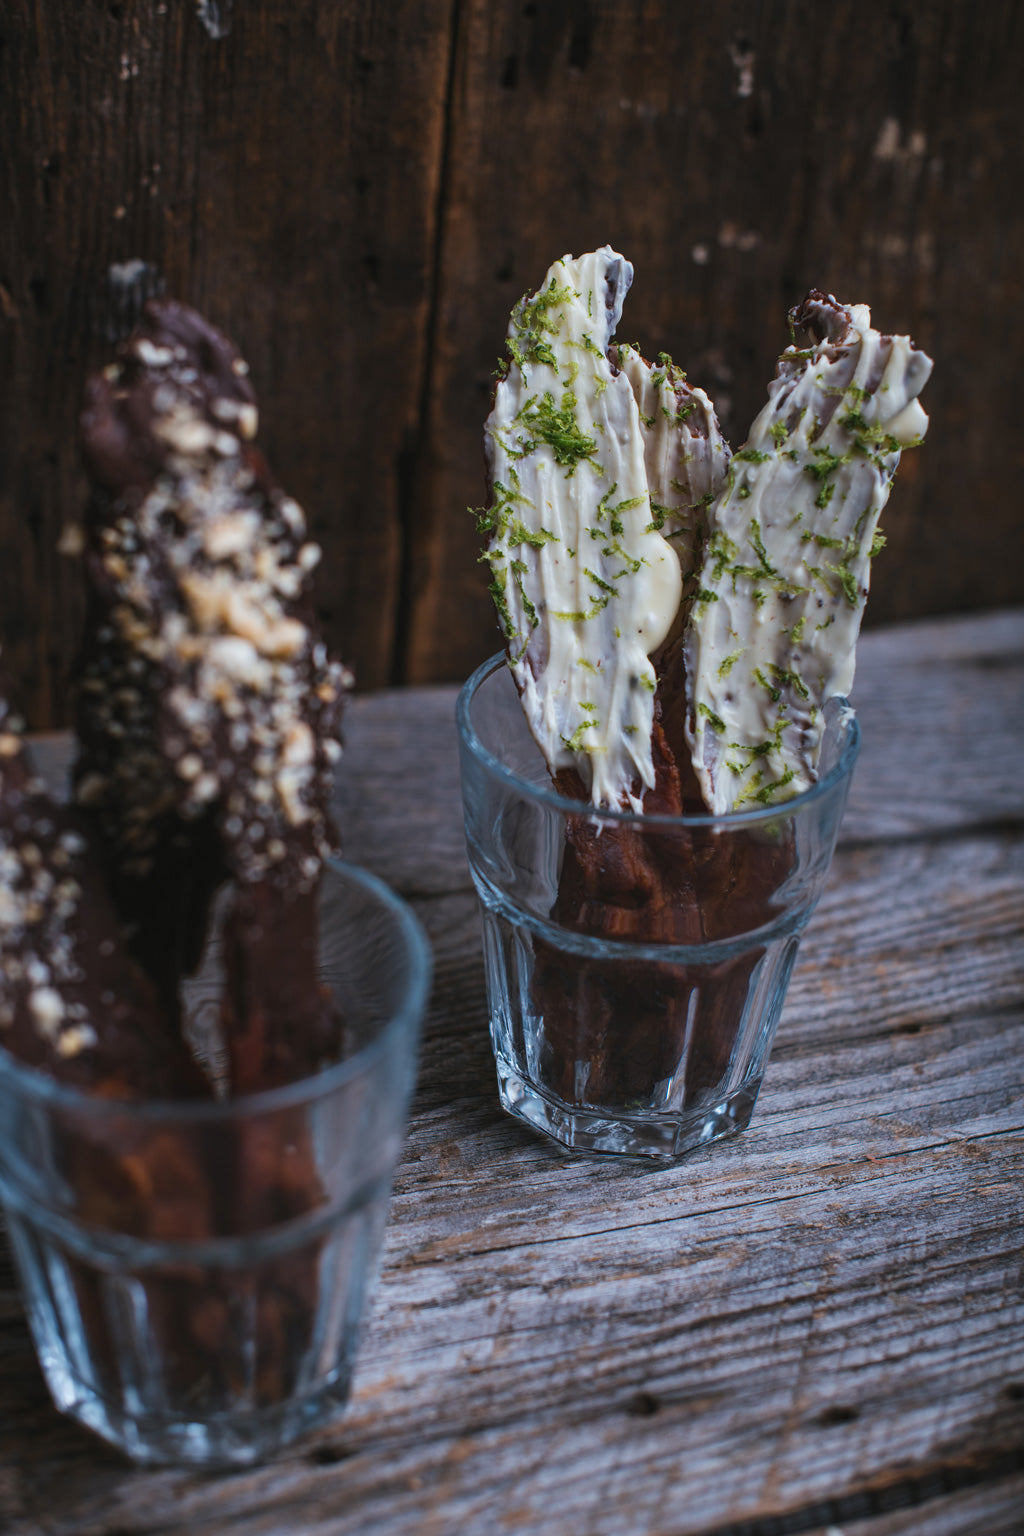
(816, 1326)
(359, 191)
(738, 155)
(264, 176)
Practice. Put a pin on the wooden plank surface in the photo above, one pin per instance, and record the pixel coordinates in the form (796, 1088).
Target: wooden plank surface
(358, 191)
(738, 156)
(816, 1327)
(251, 161)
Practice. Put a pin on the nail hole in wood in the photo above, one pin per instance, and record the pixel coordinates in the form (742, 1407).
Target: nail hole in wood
(1014, 1391)
(642, 1405)
(840, 1413)
(328, 1455)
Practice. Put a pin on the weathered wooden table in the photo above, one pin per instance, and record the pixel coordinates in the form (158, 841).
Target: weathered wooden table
(818, 1326)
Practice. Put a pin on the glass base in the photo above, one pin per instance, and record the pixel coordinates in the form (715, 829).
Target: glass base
(636, 965)
(623, 1135)
(205, 1366)
(238, 1439)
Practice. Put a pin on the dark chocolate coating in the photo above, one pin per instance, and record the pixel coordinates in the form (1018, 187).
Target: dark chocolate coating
(208, 710)
(121, 442)
(73, 1002)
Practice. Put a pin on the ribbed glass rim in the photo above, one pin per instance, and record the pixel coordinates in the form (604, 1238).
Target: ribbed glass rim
(39, 1085)
(547, 796)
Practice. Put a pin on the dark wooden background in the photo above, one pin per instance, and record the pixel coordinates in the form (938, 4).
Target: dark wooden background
(358, 190)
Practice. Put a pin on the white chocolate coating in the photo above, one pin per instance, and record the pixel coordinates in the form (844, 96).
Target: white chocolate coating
(785, 572)
(586, 585)
(685, 454)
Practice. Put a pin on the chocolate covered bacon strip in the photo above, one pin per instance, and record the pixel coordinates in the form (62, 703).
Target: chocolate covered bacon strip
(585, 583)
(73, 1003)
(687, 460)
(685, 455)
(208, 721)
(785, 572)
(209, 711)
(208, 716)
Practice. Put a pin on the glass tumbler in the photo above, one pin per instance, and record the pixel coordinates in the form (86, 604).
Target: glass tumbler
(636, 966)
(194, 1272)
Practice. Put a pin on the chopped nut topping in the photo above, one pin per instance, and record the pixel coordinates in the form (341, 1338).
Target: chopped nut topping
(204, 663)
(298, 745)
(153, 357)
(189, 435)
(229, 535)
(47, 1007)
(76, 1039)
(71, 541)
(248, 422)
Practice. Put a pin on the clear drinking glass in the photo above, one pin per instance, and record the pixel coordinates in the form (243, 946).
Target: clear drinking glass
(194, 1272)
(636, 965)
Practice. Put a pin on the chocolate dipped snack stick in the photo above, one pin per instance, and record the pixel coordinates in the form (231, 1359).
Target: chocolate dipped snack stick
(687, 460)
(73, 1003)
(209, 711)
(585, 583)
(685, 456)
(76, 1005)
(208, 723)
(785, 572)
